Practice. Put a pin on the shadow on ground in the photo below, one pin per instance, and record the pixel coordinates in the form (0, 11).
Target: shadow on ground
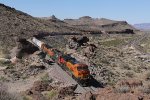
(94, 83)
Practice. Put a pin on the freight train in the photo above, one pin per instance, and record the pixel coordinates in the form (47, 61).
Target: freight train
(78, 70)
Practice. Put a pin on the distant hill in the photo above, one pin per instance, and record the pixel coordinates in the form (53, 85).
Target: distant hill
(14, 24)
(142, 26)
(87, 23)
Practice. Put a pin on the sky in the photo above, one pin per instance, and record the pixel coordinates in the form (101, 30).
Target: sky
(133, 11)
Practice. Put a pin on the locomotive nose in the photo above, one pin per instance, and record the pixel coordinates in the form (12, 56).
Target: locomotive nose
(84, 74)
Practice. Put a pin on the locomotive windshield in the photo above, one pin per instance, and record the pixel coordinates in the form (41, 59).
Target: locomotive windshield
(82, 68)
(70, 59)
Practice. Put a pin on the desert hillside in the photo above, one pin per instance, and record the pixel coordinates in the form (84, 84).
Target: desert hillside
(14, 23)
(113, 54)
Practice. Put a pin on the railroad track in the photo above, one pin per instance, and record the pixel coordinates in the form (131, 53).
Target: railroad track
(135, 42)
(92, 89)
(87, 89)
(81, 88)
(139, 39)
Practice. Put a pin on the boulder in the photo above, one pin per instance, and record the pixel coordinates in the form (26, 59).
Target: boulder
(83, 39)
(89, 50)
(38, 87)
(75, 42)
(67, 91)
(4, 60)
(24, 47)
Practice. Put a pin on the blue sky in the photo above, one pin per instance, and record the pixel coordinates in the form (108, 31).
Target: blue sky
(133, 11)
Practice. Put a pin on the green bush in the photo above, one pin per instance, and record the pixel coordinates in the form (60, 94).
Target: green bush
(50, 94)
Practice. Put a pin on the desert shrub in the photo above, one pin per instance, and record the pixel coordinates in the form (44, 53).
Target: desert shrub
(27, 98)
(147, 77)
(46, 78)
(137, 70)
(130, 74)
(111, 82)
(49, 95)
(144, 89)
(114, 65)
(126, 67)
(3, 79)
(105, 61)
(122, 89)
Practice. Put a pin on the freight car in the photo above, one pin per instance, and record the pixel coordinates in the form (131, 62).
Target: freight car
(78, 70)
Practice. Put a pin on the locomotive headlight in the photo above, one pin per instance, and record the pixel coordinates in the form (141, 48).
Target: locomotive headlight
(79, 73)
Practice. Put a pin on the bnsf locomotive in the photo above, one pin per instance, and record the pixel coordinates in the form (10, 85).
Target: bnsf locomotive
(79, 71)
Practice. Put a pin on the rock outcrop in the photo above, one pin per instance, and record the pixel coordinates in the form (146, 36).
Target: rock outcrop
(76, 42)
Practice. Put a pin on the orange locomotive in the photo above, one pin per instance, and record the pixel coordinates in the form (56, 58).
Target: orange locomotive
(79, 71)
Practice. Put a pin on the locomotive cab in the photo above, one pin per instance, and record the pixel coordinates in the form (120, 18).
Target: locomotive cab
(83, 71)
(82, 74)
(80, 71)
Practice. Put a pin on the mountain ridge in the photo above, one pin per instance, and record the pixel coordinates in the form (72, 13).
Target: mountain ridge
(100, 24)
(142, 26)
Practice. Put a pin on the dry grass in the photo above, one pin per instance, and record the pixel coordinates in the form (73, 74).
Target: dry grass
(5, 95)
(130, 74)
(115, 42)
(122, 89)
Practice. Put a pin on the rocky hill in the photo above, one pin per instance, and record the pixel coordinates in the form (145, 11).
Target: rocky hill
(14, 23)
(118, 63)
(142, 26)
(87, 23)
